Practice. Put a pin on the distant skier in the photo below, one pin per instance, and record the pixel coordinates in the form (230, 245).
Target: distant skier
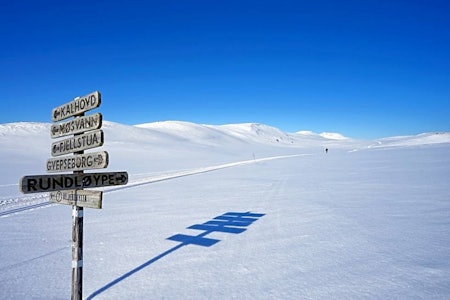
(326, 150)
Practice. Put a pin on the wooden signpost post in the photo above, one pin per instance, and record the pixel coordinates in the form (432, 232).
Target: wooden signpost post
(69, 189)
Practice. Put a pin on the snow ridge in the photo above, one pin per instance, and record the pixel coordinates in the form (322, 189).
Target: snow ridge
(179, 131)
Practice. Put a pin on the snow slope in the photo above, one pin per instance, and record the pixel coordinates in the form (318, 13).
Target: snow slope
(241, 211)
(417, 140)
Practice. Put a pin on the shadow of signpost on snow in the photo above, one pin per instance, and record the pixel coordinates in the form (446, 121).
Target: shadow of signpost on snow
(230, 222)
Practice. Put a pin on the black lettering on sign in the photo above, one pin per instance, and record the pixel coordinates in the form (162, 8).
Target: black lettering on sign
(77, 106)
(79, 162)
(47, 183)
(77, 125)
(85, 141)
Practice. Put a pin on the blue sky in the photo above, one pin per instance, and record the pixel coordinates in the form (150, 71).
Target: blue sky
(366, 69)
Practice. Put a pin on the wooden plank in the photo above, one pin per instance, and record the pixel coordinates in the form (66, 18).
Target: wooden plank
(83, 198)
(76, 106)
(79, 162)
(48, 183)
(77, 125)
(77, 143)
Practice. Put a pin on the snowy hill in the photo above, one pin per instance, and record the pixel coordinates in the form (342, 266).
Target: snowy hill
(324, 135)
(245, 132)
(235, 211)
(215, 135)
(416, 140)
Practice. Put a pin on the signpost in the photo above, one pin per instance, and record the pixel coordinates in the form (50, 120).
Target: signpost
(77, 125)
(84, 198)
(76, 107)
(79, 142)
(48, 183)
(78, 162)
(69, 189)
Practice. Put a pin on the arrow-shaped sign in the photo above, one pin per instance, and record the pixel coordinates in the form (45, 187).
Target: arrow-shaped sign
(77, 125)
(79, 162)
(77, 106)
(81, 142)
(47, 183)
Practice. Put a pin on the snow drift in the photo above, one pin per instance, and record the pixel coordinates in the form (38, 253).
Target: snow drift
(235, 211)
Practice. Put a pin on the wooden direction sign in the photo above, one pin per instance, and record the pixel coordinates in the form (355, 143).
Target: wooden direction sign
(80, 142)
(77, 106)
(70, 188)
(48, 183)
(79, 162)
(83, 198)
(77, 125)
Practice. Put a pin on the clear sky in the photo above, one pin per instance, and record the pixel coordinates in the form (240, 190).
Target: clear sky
(366, 69)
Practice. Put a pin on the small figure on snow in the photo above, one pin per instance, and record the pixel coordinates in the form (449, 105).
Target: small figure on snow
(326, 150)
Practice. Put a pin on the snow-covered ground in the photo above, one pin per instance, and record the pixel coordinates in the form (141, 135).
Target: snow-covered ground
(241, 211)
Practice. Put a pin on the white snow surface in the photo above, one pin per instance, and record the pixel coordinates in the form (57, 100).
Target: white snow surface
(367, 220)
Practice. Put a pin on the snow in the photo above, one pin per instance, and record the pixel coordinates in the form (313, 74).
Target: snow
(333, 136)
(368, 220)
(420, 139)
(325, 135)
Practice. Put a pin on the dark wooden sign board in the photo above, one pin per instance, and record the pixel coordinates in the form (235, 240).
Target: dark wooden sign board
(69, 189)
(78, 162)
(48, 183)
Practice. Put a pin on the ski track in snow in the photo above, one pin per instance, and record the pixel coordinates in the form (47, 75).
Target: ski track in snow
(10, 206)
